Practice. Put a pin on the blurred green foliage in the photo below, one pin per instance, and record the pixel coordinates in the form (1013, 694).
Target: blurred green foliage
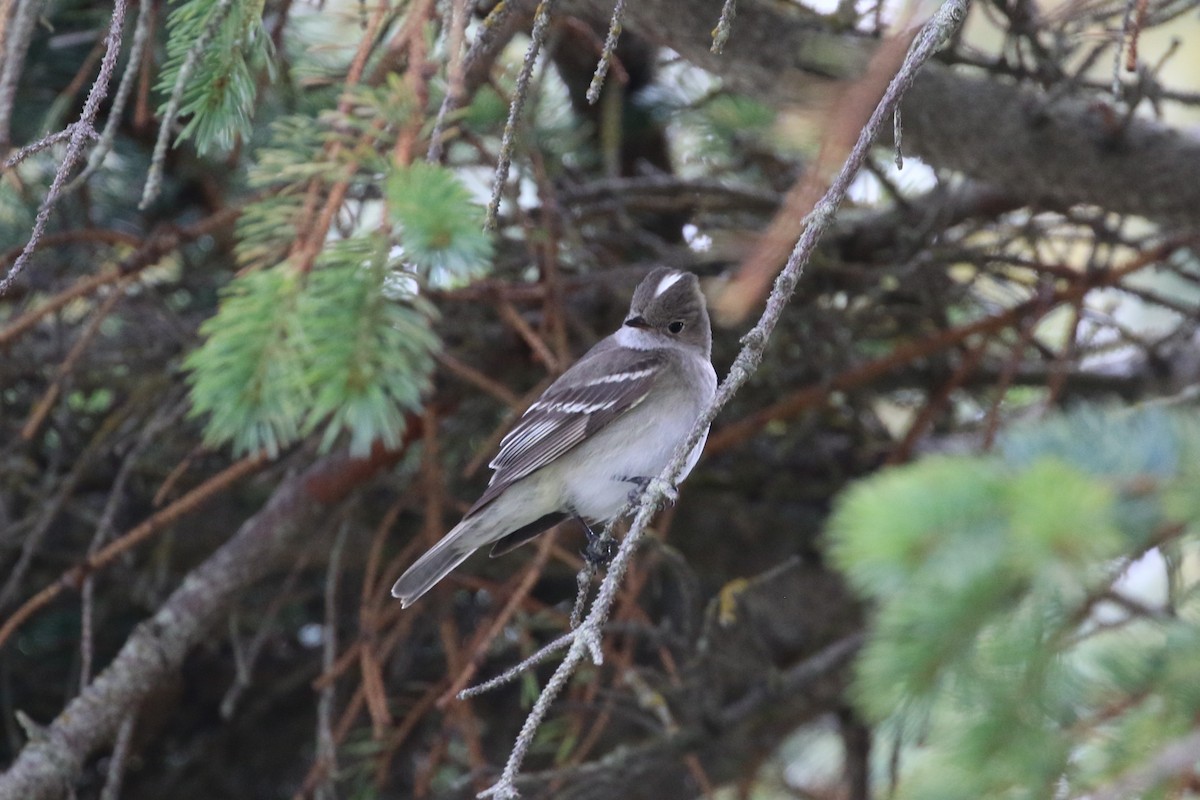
(1010, 641)
(227, 46)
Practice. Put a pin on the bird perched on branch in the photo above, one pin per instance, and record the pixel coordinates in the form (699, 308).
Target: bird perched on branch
(599, 433)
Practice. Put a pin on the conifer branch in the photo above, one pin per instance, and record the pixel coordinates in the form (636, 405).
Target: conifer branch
(194, 54)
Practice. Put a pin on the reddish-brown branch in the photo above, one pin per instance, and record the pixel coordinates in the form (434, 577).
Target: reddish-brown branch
(483, 642)
(991, 425)
(543, 237)
(308, 246)
(332, 485)
(417, 76)
(515, 321)
(1135, 31)
(43, 406)
(462, 714)
(936, 403)
(408, 724)
(855, 102)
(149, 253)
(479, 380)
(83, 235)
(73, 578)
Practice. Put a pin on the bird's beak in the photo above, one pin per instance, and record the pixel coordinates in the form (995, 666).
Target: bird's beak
(637, 322)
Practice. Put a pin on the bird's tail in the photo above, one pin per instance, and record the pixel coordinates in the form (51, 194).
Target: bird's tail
(452, 550)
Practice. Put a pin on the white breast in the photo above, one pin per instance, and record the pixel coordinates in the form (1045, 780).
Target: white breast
(638, 445)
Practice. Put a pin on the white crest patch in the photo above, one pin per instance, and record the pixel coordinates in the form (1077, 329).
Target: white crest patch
(667, 283)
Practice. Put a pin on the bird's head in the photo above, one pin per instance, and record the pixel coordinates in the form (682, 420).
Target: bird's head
(668, 302)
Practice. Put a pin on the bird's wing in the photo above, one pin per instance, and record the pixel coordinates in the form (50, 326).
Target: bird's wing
(594, 392)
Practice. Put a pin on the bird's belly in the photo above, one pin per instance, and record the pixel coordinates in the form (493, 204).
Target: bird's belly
(619, 455)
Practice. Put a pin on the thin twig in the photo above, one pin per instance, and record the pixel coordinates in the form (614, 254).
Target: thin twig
(456, 66)
(326, 744)
(88, 335)
(104, 527)
(119, 758)
(583, 581)
(141, 32)
(537, 37)
(81, 132)
(606, 55)
(50, 511)
(38, 146)
(245, 657)
(513, 673)
(477, 379)
(525, 585)
(152, 525)
(514, 320)
(908, 352)
(14, 46)
(724, 26)
(585, 639)
(484, 41)
(148, 253)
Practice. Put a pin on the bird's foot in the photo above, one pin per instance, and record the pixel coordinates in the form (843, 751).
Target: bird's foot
(600, 551)
(642, 484)
(600, 548)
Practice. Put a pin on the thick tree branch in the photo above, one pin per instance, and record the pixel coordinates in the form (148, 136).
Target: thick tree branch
(1026, 143)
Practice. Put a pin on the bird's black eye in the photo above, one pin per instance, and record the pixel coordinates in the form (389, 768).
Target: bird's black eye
(676, 327)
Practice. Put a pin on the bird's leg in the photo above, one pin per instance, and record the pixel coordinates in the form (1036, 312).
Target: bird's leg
(600, 548)
(641, 483)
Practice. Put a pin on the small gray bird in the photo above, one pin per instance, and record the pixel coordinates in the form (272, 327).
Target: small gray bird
(608, 425)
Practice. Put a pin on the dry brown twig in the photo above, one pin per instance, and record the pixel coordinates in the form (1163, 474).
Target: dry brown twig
(73, 577)
(851, 110)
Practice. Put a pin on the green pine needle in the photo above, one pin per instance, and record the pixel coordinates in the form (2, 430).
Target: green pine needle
(440, 226)
(248, 376)
(368, 358)
(219, 96)
(285, 357)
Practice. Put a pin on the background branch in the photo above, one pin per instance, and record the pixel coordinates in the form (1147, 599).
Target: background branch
(155, 651)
